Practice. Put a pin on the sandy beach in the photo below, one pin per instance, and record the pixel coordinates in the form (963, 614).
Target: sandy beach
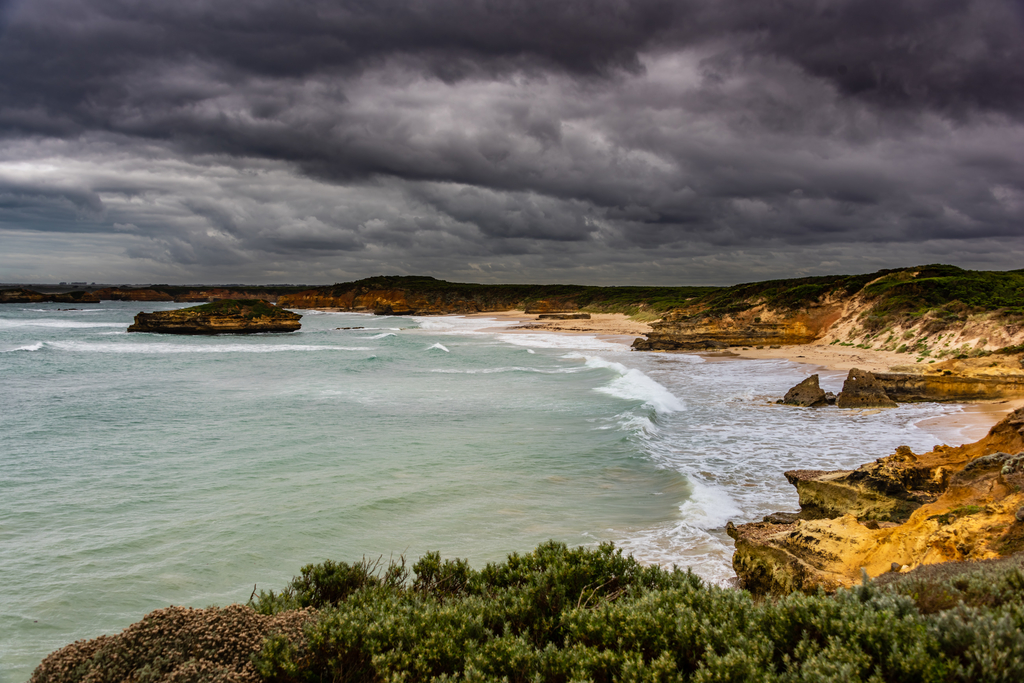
(971, 423)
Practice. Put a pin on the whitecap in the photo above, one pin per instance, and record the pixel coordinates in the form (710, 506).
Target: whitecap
(439, 346)
(708, 507)
(457, 324)
(632, 384)
(562, 341)
(31, 347)
(381, 336)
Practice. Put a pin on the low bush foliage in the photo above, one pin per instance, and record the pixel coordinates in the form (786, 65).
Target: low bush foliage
(560, 614)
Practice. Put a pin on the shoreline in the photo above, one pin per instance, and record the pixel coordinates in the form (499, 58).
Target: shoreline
(971, 422)
(968, 424)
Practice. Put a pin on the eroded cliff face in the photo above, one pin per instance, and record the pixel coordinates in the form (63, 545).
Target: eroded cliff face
(758, 326)
(901, 511)
(224, 317)
(863, 317)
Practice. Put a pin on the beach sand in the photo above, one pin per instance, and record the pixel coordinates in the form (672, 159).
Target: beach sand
(971, 423)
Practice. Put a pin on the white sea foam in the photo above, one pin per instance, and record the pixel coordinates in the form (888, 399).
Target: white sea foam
(382, 336)
(530, 351)
(31, 347)
(161, 347)
(457, 324)
(561, 341)
(708, 507)
(439, 346)
(632, 384)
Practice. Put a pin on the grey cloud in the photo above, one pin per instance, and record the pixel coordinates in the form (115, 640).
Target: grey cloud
(493, 138)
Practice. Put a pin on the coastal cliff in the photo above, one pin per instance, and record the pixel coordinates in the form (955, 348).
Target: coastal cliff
(28, 296)
(412, 295)
(221, 317)
(929, 313)
(897, 513)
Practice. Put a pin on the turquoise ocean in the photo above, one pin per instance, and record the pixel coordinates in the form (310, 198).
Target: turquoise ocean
(139, 470)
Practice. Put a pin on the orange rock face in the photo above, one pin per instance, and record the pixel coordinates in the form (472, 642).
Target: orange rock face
(754, 327)
(904, 510)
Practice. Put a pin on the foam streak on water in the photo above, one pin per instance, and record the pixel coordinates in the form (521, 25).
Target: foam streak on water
(141, 470)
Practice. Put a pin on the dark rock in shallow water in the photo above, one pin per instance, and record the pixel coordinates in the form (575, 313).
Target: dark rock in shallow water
(862, 390)
(221, 317)
(807, 394)
(564, 316)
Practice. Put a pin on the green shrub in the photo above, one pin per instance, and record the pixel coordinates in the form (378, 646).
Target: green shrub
(560, 614)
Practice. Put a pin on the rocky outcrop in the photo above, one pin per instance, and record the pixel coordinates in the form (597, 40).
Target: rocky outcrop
(807, 393)
(997, 376)
(990, 377)
(755, 327)
(221, 317)
(564, 316)
(862, 390)
(904, 510)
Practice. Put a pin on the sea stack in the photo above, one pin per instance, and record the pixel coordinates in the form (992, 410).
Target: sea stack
(808, 394)
(230, 316)
(862, 390)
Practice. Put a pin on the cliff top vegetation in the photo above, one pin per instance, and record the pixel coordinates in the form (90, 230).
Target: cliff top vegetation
(247, 308)
(953, 292)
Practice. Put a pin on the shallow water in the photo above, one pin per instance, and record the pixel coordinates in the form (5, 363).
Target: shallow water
(144, 470)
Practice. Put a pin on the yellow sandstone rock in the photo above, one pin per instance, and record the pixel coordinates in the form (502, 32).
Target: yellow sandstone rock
(949, 504)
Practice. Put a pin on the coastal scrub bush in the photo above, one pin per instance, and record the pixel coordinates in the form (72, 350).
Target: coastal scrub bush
(583, 614)
(592, 614)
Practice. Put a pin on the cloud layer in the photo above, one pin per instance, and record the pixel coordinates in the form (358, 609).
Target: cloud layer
(596, 142)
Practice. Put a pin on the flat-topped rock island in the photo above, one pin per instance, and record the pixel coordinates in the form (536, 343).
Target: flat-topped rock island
(229, 316)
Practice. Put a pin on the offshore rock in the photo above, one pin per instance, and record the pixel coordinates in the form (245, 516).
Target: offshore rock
(949, 504)
(862, 390)
(221, 317)
(808, 394)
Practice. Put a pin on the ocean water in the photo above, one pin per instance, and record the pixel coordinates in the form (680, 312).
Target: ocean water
(139, 471)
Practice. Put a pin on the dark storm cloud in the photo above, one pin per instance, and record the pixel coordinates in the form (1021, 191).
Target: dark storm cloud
(512, 137)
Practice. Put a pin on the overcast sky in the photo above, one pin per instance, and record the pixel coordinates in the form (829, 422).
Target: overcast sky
(584, 141)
